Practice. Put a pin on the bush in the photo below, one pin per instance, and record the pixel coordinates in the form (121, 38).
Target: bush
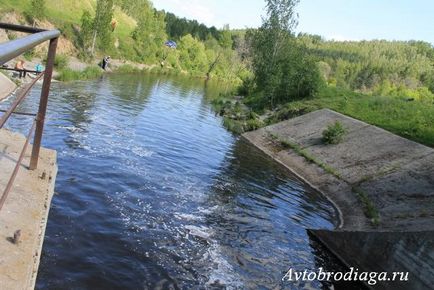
(334, 133)
(61, 61)
(90, 72)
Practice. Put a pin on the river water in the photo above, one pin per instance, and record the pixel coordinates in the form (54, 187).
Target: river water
(154, 193)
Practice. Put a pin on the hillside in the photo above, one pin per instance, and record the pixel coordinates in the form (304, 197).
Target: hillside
(63, 13)
(396, 68)
(138, 35)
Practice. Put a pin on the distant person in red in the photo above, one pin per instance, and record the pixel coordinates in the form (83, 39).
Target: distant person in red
(114, 24)
(19, 66)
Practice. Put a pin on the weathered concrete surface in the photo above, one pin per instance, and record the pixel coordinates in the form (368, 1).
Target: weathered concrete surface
(396, 174)
(26, 209)
(6, 86)
(411, 252)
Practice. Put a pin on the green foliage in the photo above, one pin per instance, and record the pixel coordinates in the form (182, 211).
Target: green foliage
(85, 36)
(37, 10)
(150, 35)
(67, 74)
(61, 61)
(305, 154)
(192, 55)
(378, 67)
(101, 24)
(369, 208)
(334, 133)
(283, 70)
(28, 55)
(225, 38)
(178, 27)
(127, 68)
(411, 120)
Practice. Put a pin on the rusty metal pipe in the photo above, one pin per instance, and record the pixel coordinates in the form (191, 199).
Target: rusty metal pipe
(17, 101)
(20, 28)
(43, 102)
(20, 113)
(17, 167)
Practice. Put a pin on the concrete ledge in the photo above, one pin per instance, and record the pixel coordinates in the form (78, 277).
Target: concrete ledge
(26, 209)
(6, 86)
(411, 252)
(396, 174)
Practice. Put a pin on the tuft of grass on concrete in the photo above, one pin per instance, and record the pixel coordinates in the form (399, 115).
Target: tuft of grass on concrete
(369, 208)
(334, 133)
(300, 151)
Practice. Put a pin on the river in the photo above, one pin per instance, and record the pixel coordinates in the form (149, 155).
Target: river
(154, 193)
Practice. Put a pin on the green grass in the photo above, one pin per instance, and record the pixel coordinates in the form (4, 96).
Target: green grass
(310, 158)
(90, 72)
(369, 208)
(413, 120)
(334, 133)
(63, 13)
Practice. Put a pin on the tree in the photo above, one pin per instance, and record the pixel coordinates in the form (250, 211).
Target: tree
(282, 68)
(192, 54)
(150, 34)
(225, 38)
(86, 30)
(101, 24)
(37, 10)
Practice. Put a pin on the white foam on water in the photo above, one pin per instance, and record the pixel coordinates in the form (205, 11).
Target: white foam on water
(188, 217)
(201, 232)
(222, 273)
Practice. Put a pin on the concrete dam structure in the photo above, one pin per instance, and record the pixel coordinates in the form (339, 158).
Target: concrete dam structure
(371, 172)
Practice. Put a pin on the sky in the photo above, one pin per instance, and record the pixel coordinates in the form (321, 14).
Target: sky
(332, 19)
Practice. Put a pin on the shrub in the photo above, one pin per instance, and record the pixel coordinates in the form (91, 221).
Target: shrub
(61, 61)
(334, 133)
(90, 72)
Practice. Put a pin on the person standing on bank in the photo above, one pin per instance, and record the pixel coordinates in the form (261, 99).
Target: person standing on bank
(105, 62)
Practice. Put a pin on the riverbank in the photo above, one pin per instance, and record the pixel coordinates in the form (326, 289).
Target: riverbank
(410, 119)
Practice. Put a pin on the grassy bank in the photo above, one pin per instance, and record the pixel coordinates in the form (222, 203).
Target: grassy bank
(410, 119)
(66, 74)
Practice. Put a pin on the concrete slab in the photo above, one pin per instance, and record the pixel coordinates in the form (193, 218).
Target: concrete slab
(26, 209)
(405, 197)
(306, 130)
(6, 86)
(396, 174)
(400, 252)
(369, 151)
(336, 190)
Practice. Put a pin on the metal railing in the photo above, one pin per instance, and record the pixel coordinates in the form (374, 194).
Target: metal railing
(8, 51)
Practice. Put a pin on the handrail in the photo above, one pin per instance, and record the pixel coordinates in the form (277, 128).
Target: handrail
(9, 51)
(20, 28)
(14, 48)
(17, 101)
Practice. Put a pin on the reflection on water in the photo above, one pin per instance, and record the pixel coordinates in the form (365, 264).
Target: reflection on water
(153, 193)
